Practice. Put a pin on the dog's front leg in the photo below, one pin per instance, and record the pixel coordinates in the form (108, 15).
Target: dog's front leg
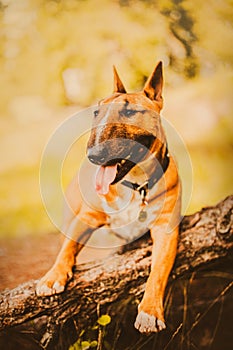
(150, 311)
(56, 278)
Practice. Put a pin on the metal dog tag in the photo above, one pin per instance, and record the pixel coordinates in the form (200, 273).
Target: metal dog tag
(143, 193)
(142, 216)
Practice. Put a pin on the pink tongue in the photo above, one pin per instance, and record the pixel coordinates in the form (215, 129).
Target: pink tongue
(104, 177)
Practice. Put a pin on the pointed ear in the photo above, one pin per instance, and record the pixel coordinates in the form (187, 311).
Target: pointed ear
(118, 86)
(154, 84)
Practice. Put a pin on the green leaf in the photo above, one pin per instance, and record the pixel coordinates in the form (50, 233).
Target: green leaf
(93, 344)
(85, 345)
(104, 320)
(76, 346)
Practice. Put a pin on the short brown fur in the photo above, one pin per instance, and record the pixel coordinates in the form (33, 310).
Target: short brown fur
(80, 221)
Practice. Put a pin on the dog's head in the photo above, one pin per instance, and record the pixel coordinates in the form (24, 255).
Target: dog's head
(126, 129)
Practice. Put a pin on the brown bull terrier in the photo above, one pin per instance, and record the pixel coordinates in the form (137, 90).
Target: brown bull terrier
(128, 157)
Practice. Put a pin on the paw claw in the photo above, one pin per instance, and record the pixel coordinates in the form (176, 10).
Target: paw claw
(70, 275)
(161, 325)
(58, 288)
(43, 290)
(52, 283)
(146, 323)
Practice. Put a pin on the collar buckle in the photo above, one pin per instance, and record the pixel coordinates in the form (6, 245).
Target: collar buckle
(143, 190)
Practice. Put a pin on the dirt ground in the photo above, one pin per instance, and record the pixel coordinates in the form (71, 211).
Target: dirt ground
(23, 259)
(27, 258)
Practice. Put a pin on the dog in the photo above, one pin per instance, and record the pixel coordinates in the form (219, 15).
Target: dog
(128, 153)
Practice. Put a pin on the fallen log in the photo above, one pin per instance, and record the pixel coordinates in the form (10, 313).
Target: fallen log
(204, 237)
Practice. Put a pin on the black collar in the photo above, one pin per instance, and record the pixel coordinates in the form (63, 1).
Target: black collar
(156, 176)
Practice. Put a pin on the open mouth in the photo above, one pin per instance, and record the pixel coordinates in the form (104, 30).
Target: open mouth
(116, 169)
(111, 173)
(115, 159)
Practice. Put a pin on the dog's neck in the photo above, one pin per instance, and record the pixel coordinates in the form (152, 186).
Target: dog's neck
(141, 172)
(147, 173)
(144, 170)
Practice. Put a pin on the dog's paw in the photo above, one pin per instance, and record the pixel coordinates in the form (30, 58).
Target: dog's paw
(146, 323)
(53, 282)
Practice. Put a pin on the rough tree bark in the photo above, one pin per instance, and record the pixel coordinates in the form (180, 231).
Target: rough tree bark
(204, 236)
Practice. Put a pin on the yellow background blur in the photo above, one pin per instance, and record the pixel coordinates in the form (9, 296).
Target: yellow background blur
(56, 58)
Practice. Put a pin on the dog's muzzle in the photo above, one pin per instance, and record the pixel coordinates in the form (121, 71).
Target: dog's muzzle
(114, 159)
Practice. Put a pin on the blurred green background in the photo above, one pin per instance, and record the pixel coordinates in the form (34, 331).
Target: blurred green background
(56, 58)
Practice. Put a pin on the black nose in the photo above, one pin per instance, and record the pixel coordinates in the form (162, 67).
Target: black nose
(97, 155)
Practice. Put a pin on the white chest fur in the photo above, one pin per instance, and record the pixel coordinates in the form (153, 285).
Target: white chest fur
(123, 215)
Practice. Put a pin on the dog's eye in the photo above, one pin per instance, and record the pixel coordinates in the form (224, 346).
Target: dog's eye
(96, 113)
(128, 112)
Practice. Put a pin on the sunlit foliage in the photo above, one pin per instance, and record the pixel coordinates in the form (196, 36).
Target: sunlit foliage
(59, 53)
